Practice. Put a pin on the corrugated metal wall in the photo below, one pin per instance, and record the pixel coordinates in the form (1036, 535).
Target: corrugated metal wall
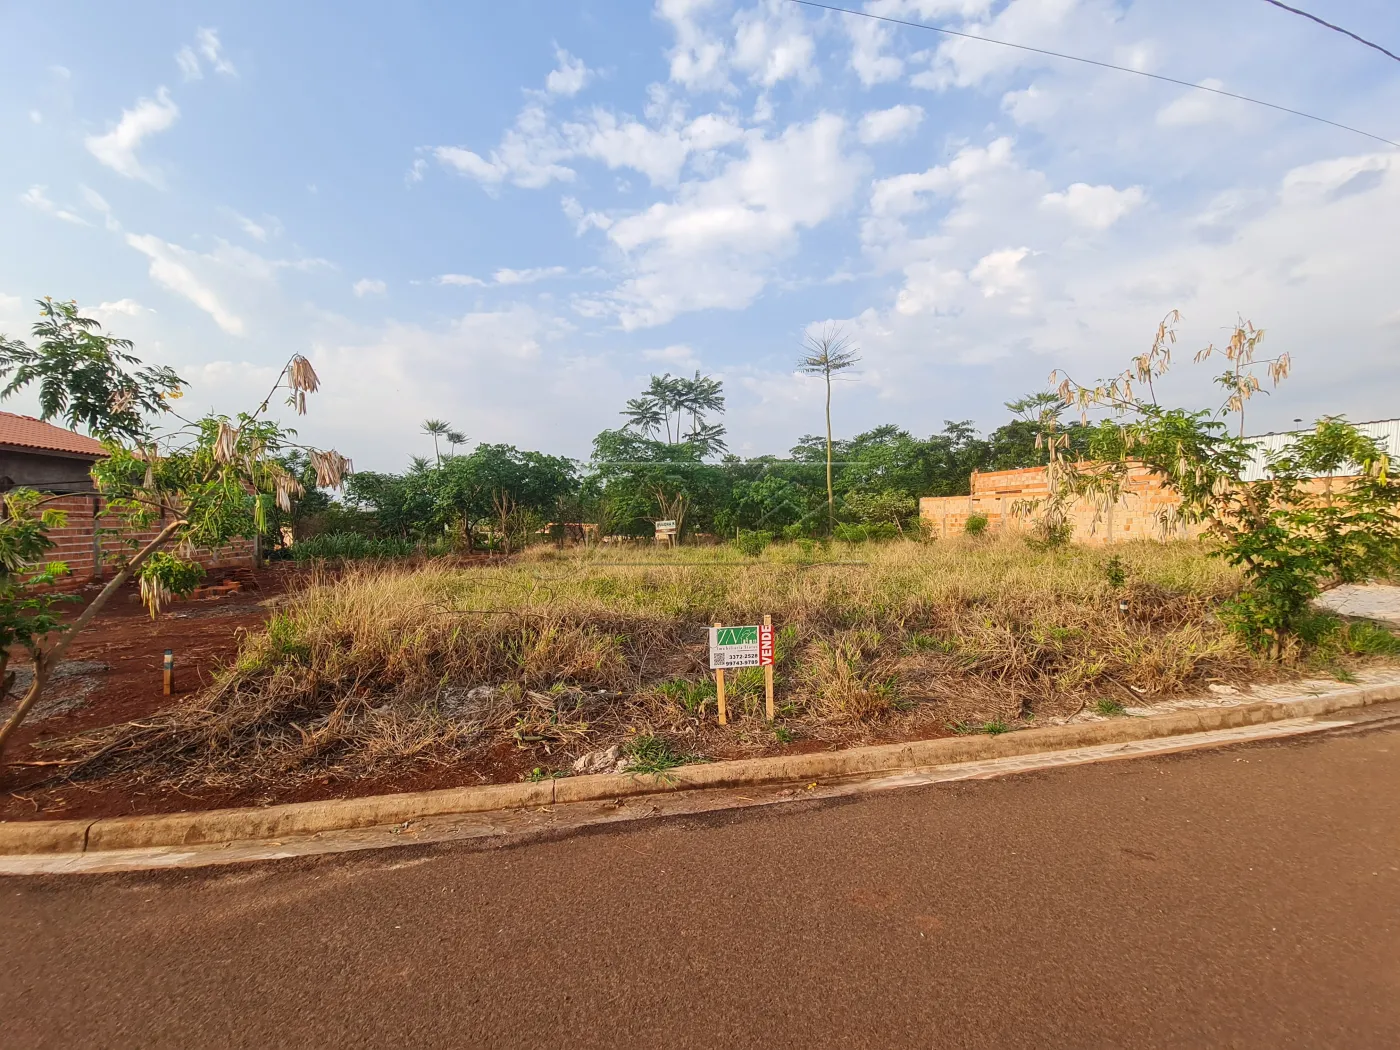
(1387, 430)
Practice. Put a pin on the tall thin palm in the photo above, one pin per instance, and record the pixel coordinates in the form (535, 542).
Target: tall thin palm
(436, 428)
(826, 354)
(698, 396)
(455, 438)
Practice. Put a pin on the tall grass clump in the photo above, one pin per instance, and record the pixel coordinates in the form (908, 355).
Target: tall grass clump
(349, 546)
(561, 651)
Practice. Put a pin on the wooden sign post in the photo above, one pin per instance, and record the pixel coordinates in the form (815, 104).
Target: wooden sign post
(765, 658)
(719, 690)
(742, 647)
(169, 671)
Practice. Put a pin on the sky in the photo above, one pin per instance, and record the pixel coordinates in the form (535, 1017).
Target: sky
(508, 216)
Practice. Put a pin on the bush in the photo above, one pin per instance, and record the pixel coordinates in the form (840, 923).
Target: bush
(753, 543)
(876, 531)
(975, 525)
(350, 546)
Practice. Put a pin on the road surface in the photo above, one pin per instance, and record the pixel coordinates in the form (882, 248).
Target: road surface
(1244, 897)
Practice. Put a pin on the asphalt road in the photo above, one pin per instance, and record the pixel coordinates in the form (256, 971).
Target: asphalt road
(1247, 897)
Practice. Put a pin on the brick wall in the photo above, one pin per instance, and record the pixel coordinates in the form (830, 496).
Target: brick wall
(1139, 514)
(996, 495)
(93, 541)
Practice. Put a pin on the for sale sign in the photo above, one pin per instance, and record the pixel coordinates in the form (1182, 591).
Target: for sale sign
(741, 647)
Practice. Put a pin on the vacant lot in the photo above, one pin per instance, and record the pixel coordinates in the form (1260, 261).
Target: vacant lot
(400, 676)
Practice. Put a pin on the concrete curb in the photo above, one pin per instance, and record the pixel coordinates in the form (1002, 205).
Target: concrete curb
(304, 818)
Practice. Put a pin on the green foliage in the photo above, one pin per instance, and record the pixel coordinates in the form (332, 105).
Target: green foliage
(164, 576)
(652, 754)
(27, 608)
(1110, 708)
(85, 378)
(753, 543)
(995, 727)
(1115, 573)
(350, 546)
(975, 525)
(877, 532)
(689, 694)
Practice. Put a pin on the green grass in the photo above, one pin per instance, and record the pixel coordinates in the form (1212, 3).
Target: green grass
(349, 546)
(652, 755)
(1110, 708)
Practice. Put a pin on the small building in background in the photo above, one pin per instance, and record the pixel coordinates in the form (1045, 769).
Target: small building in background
(49, 459)
(39, 455)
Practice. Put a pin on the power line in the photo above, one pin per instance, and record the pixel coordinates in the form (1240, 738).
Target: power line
(1338, 29)
(1095, 62)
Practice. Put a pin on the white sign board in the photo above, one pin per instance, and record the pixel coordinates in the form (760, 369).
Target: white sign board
(741, 647)
(665, 526)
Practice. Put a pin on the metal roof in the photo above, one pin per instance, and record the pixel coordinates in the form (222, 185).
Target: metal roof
(1387, 431)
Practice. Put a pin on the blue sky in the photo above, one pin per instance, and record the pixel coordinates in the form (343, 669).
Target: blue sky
(508, 215)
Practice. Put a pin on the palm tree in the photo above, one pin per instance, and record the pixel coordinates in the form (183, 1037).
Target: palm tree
(698, 396)
(827, 353)
(436, 428)
(646, 414)
(455, 438)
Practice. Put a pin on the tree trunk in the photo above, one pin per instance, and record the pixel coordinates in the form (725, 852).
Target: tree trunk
(830, 495)
(45, 662)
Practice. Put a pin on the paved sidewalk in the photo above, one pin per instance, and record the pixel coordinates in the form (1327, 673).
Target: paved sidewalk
(1375, 601)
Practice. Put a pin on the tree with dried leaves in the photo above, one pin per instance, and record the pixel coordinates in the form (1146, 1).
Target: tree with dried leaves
(1327, 510)
(827, 354)
(200, 483)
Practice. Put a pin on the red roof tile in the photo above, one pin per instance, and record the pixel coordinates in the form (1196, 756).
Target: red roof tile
(28, 432)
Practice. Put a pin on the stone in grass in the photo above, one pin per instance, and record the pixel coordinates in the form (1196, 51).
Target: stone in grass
(472, 704)
(606, 761)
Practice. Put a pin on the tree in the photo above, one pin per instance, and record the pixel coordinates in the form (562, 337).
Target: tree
(828, 353)
(668, 396)
(436, 428)
(455, 438)
(82, 375)
(1300, 529)
(204, 482)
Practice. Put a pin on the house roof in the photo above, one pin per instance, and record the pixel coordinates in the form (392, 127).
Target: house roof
(27, 432)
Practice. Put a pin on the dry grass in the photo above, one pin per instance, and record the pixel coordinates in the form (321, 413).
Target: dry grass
(385, 665)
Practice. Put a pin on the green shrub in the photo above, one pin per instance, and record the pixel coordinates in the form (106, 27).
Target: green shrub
(350, 546)
(975, 525)
(753, 543)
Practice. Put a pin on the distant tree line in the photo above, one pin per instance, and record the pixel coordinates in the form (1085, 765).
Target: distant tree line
(668, 460)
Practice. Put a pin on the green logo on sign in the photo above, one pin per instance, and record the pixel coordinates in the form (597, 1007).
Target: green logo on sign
(737, 636)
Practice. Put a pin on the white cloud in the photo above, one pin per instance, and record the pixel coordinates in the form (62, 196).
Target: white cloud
(461, 280)
(35, 117)
(369, 286)
(772, 44)
(584, 220)
(885, 125)
(530, 276)
(117, 147)
(37, 197)
(868, 59)
(678, 356)
(529, 154)
(714, 244)
(1193, 107)
(698, 58)
(188, 62)
(207, 44)
(416, 172)
(252, 229)
(170, 268)
(1097, 207)
(569, 77)
(1000, 271)
(121, 307)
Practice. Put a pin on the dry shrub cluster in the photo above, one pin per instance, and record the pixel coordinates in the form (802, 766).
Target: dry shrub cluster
(564, 652)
